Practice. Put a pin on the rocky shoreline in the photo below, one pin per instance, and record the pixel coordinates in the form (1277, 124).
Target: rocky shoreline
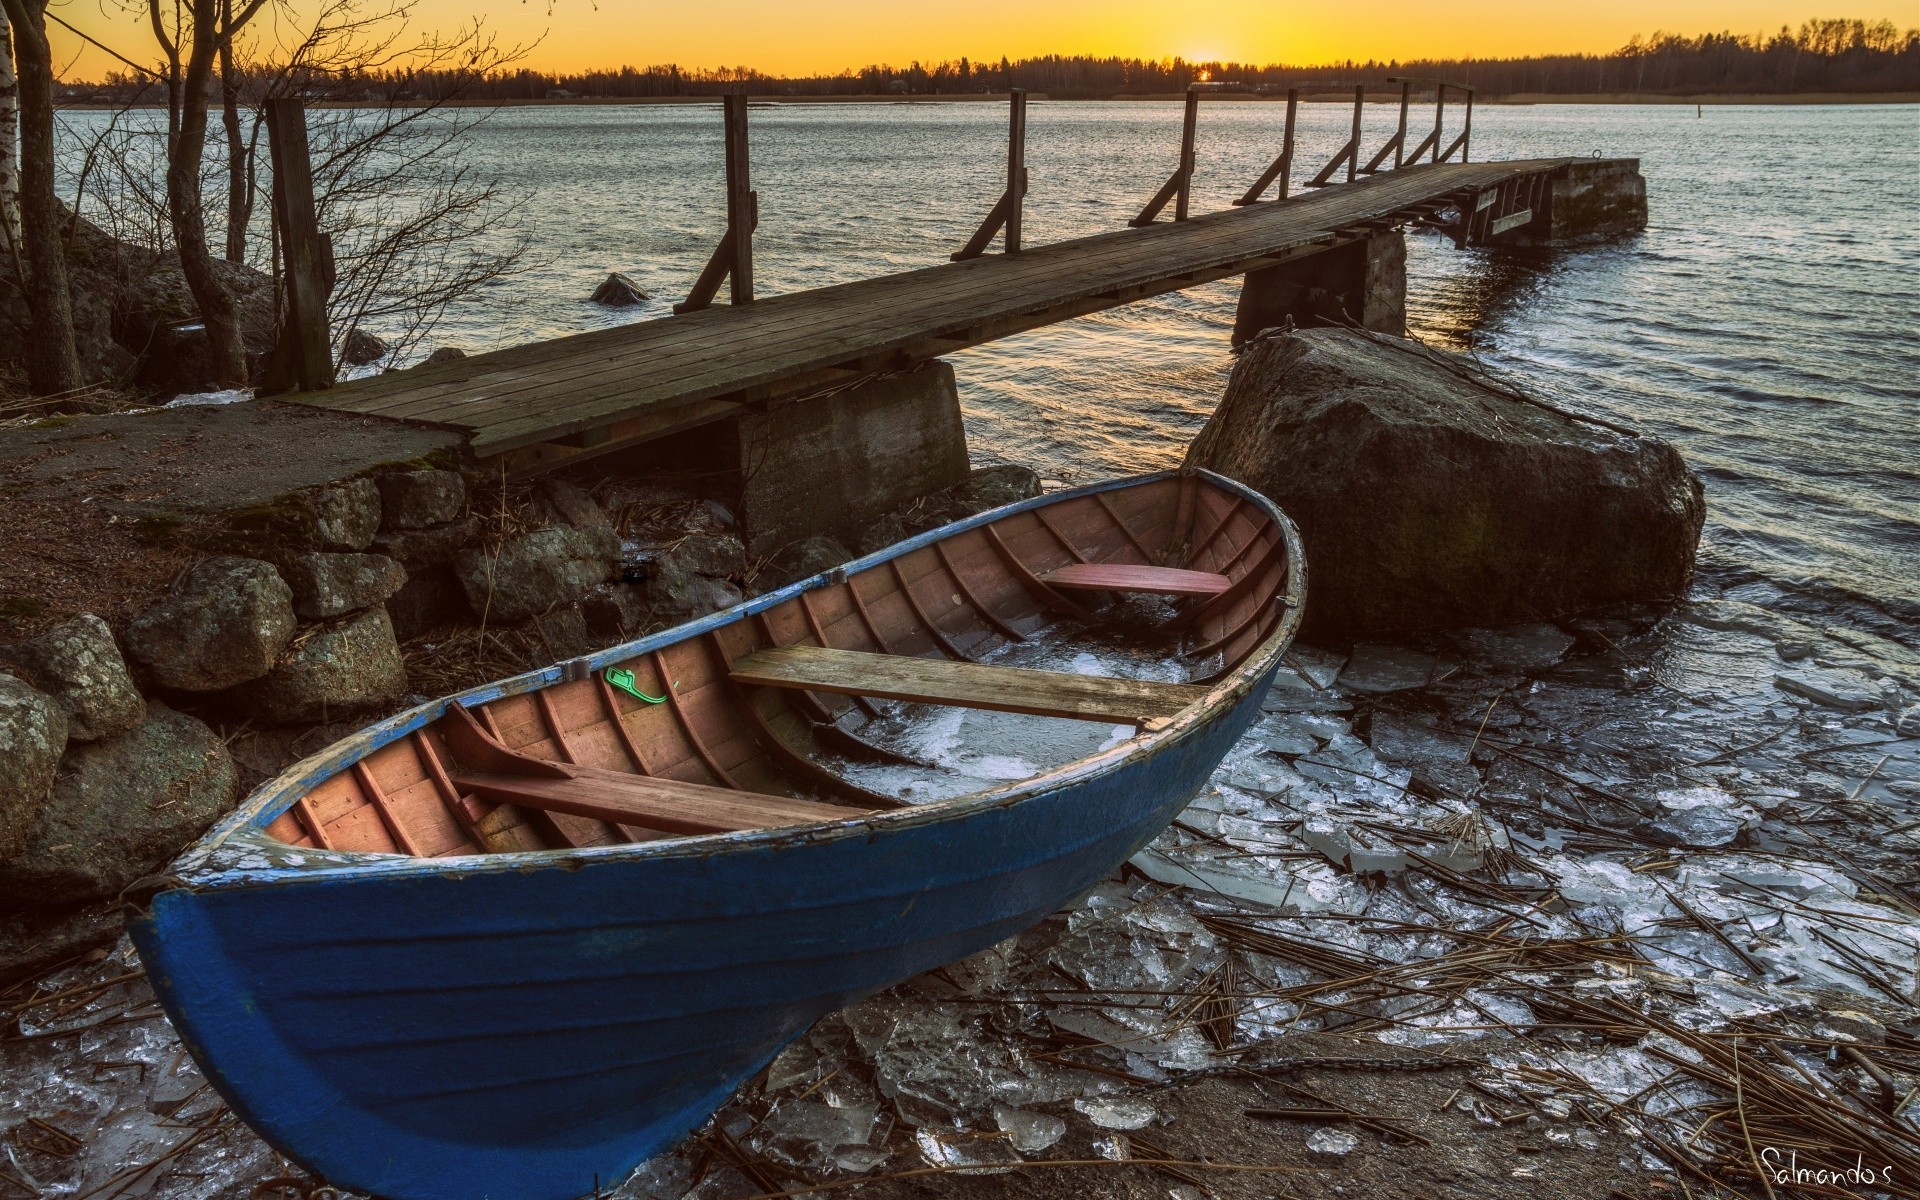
(1519, 727)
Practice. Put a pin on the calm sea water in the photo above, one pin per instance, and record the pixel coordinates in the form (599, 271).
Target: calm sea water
(1765, 322)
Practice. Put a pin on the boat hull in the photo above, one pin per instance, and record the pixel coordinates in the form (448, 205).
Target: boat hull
(537, 1031)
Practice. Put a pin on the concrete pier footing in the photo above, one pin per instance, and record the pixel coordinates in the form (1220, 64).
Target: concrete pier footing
(1362, 283)
(1588, 199)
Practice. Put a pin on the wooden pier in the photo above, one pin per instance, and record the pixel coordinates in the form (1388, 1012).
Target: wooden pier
(539, 405)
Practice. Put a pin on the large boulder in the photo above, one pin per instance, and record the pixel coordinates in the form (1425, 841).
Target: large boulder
(695, 576)
(434, 546)
(1430, 494)
(529, 574)
(33, 735)
(79, 664)
(330, 672)
(333, 585)
(225, 623)
(619, 291)
(121, 809)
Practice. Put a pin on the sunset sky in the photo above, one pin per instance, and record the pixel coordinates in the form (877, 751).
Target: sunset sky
(826, 36)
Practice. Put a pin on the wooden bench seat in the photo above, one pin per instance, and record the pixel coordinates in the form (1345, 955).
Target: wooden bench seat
(648, 802)
(1129, 577)
(967, 685)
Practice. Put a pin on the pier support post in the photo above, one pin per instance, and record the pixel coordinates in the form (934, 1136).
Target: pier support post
(1596, 198)
(1362, 283)
(303, 351)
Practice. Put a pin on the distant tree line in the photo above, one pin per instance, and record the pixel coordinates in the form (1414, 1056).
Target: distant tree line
(1835, 55)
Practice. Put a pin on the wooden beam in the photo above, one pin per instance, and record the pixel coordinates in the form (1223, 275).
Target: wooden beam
(732, 259)
(1280, 168)
(648, 802)
(1005, 213)
(967, 685)
(1130, 577)
(305, 358)
(1179, 185)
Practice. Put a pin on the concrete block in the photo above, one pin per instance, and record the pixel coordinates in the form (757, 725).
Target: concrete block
(1361, 283)
(1603, 197)
(831, 465)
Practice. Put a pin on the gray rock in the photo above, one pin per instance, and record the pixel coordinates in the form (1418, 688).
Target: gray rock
(431, 599)
(334, 671)
(613, 610)
(434, 546)
(122, 809)
(990, 487)
(347, 515)
(225, 623)
(362, 348)
(693, 577)
(803, 560)
(884, 532)
(333, 585)
(419, 499)
(1794, 649)
(1429, 496)
(33, 736)
(78, 663)
(563, 633)
(444, 354)
(564, 504)
(534, 572)
(619, 291)
(34, 940)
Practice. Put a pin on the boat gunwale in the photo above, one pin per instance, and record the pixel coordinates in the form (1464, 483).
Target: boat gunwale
(243, 830)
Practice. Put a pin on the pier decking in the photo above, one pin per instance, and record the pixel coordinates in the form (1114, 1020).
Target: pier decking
(540, 404)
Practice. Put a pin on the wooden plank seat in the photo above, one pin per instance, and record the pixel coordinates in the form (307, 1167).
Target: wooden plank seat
(1130, 577)
(649, 802)
(967, 685)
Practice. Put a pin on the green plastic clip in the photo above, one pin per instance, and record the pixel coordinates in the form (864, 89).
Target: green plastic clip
(623, 679)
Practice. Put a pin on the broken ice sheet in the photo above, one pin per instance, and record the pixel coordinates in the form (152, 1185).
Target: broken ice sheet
(1030, 1132)
(1116, 1112)
(983, 1153)
(1329, 1142)
(805, 1133)
(1520, 648)
(1385, 668)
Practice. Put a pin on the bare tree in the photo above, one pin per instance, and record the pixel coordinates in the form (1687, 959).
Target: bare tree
(52, 364)
(9, 142)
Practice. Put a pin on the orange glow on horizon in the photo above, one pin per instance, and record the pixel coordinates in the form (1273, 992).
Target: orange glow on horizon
(807, 37)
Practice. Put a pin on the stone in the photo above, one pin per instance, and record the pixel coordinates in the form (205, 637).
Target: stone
(720, 556)
(225, 623)
(991, 487)
(331, 671)
(1431, 495)
(432, 598)
(33, 736)
(362, 349)
(802, 560)
(347, 515)
(693, 597)
(123, 808)
(434, 546)
(333, 585)
(78, 663)
(563, 633)
(887, 531)
(562, 503)
(1829, 689)
(443, 354)
(613, 611)
(619, 291)
(532, 572)
(421, 499)
(35, 940)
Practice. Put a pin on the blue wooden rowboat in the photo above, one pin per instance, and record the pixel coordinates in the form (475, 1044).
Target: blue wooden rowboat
(514, 942)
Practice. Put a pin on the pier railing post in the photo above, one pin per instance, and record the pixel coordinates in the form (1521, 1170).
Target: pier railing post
(1349, 153)
(1006, 211)
(1179, 185)
(732, 259)
(1400, 138)
(1280, 168)
(1439, 113)
(1466, 128)
(303, 354)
